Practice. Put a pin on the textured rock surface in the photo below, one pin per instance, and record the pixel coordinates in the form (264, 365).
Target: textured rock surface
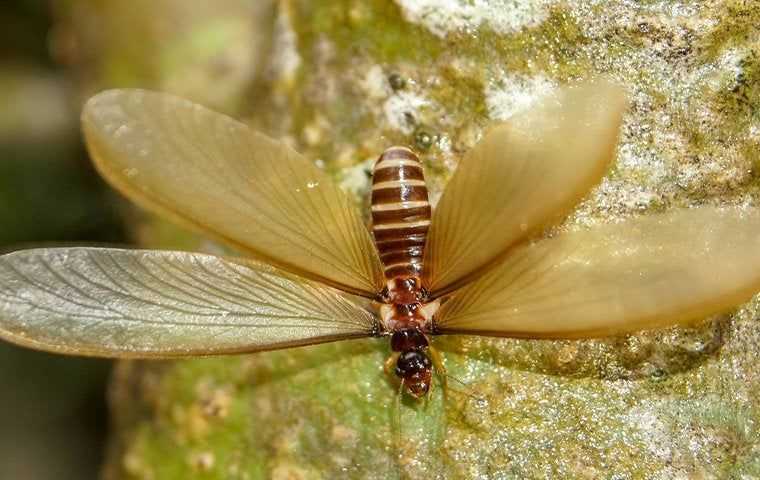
(344, 79)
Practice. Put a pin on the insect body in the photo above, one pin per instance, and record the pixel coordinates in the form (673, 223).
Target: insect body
(310, 271)
(400, 222)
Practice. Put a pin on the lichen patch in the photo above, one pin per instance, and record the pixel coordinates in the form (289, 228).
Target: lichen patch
(442, 17)
(508, 93)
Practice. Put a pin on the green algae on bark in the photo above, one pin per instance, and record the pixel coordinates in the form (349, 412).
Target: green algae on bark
(678, 403)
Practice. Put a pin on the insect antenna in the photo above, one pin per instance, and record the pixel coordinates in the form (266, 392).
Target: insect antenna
(472, 420)
(396, 451)
(445, 376)
(480, 401)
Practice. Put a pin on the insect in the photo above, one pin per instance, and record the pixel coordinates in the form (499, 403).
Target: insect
(313, 272)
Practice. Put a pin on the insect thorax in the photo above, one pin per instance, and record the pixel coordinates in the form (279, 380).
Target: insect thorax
(405, 306)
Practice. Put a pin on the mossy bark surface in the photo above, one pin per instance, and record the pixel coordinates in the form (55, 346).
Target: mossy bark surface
(343, 80)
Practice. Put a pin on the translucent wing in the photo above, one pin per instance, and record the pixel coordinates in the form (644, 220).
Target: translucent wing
(521, 176)
(213, 173)
(140, 303)
(644, 273)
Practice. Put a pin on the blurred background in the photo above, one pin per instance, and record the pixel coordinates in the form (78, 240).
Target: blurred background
(53, 56)
(53, 416)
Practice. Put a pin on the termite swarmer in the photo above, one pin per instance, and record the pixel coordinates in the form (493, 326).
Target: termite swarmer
(314, 272)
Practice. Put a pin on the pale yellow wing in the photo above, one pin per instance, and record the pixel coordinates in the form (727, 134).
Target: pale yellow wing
(148, 304)
(519, 178)
(648, 272)
(215, 174)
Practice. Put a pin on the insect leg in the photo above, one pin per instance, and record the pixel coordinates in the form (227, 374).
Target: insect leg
(440, 369)
(397, 409)
(390, 364)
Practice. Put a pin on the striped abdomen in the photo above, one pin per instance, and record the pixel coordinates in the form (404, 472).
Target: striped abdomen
(400, 212)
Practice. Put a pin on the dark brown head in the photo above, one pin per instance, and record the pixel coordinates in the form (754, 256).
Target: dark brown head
(414, 368)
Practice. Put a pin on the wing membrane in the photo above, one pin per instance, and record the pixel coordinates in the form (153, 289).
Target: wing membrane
(520, 177)
(139, 303)
(215, 174)
(644, 273)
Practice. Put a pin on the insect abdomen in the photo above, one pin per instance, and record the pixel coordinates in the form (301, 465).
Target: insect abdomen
(400, 212)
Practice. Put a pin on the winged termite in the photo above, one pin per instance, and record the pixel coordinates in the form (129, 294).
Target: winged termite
(314, 273)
